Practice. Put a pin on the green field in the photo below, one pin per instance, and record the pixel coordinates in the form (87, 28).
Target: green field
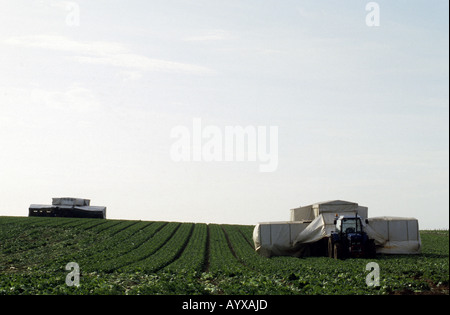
(142, 257)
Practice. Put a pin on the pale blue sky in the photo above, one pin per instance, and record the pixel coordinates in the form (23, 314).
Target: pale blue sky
(86, 111)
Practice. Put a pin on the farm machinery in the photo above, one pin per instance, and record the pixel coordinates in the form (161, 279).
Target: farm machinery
(350, 240)
(339, 229)
(68, 207)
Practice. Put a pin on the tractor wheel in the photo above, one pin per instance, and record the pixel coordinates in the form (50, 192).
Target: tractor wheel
(330, 248)
(371, 249)
(337, 251)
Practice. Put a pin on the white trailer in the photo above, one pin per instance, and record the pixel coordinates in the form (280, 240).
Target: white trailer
(68, 207)
(395, 235)
(310, 227)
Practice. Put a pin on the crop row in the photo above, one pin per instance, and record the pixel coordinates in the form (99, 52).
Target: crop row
(221, 258)
(138, 257)
(40, 245)
(164, 254)
(136, 248)
(193, 257)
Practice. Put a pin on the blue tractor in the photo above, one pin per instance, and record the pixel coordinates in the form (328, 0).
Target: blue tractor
(349, 239)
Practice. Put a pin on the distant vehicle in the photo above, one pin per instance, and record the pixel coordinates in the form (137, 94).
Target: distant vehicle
(350, 240)
(68, 207)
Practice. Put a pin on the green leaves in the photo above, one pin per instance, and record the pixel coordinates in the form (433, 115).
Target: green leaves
(135, 257)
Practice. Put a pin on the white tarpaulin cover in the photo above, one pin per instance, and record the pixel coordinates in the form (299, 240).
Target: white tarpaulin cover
(313, 232)
(333, 207)
(392, 235)
(395, 235)
(276, 238)
(67, 201)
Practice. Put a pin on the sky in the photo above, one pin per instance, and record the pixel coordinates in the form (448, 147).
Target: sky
(92, 94)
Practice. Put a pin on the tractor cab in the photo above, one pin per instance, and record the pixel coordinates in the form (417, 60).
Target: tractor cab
(349, 239)
(349, 225)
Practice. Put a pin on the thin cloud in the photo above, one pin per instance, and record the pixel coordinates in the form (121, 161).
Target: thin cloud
(134, 61)
(104, 53)
(61, 43)
(213, 35)
(23, 102)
